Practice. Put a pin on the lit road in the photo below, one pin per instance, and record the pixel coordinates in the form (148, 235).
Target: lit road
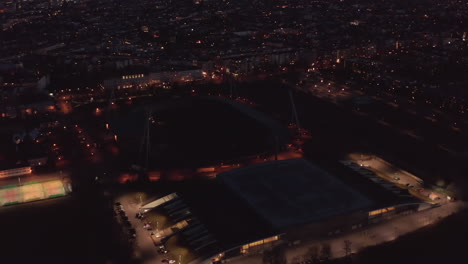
(386, 231)
(371, 236)
(35, 177)
(211, 171)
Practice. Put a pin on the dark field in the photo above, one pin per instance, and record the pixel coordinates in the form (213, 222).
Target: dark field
(62, 230)
(192, 132)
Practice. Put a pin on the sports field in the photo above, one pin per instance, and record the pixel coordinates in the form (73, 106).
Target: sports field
(31, 191)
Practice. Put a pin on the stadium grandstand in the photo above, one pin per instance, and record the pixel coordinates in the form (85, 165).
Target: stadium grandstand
(250, 209)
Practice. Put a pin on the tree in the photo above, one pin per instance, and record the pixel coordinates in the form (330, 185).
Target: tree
(312, 253)
(347, 247)
(296, 260)
(276, 255)
(279, 254)
(268, 257)
(325, 252)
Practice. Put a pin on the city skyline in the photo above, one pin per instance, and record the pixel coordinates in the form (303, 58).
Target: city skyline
(256, 132)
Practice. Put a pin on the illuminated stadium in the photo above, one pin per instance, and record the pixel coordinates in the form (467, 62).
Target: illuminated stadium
(285, 201)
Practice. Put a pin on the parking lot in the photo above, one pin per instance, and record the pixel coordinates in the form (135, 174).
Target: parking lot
(147, 246)
(392, 174)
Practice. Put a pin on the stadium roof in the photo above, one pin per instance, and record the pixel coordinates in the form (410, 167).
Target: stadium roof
(293, 192)
(227, 217)
(217, 220)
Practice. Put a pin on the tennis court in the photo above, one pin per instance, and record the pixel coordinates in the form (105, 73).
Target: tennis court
(9, 196)
(32, 191)
(53, 189)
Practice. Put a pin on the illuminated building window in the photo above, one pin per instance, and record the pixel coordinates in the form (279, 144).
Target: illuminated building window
(381, 211)
(245, 248)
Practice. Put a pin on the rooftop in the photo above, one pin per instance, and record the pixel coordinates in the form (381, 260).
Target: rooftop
(225, 216)
(293, 192)
(218, 220)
